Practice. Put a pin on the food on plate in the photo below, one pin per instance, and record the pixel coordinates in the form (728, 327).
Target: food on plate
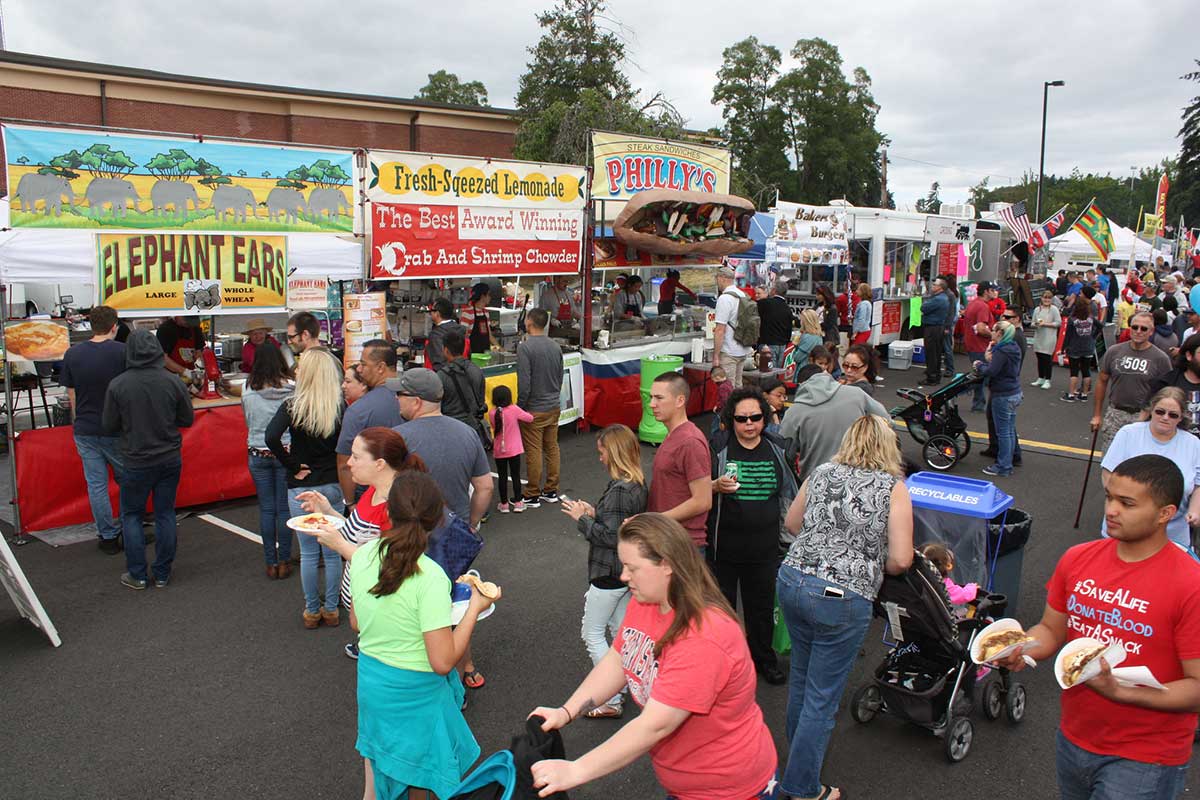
(993, 643)
(1073, 664)
(37, 341)
(312, 522)
(486, 588)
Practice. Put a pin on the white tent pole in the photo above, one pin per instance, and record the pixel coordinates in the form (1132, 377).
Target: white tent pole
(19, 537)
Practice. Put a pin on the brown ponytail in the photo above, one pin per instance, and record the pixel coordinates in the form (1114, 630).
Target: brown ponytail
(415, 506)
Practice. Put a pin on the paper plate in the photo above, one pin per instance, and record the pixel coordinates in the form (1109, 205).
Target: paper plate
(458, 610)
(1006, 624)
(294, 523)
(1114, 655)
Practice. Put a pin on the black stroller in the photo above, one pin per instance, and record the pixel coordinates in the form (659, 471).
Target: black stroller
(933, 421)
(927, 677)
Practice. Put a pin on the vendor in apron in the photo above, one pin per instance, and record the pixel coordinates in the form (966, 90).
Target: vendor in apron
(475, 318)
(182, 341)
(630, 300)
(559, 302)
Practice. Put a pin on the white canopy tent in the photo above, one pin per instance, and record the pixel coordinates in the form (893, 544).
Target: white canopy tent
(33, 255)
(1071, 246)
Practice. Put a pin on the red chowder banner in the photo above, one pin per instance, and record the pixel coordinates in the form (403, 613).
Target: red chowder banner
(445, 241)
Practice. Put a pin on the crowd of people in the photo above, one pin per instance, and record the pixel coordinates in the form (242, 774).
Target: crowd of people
(791, 498)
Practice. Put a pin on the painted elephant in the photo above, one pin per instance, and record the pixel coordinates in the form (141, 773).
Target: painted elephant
(327, 201)
(115, 193)
(289, 204)
(233, 200)
(50, 189)
(176, 194)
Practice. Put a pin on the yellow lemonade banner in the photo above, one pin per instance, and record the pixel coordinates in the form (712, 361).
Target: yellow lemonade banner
(397, 177)
(173, 273)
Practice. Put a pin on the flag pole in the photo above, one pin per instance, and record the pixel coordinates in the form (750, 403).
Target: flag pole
(1081, 213)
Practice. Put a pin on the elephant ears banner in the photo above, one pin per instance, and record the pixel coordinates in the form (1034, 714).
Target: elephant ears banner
(72, 178)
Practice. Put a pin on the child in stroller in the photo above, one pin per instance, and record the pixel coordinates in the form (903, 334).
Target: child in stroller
(927, 677)
(933, 421)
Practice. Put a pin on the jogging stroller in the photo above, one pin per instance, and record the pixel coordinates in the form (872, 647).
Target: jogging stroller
(933, 421)
(927, 677)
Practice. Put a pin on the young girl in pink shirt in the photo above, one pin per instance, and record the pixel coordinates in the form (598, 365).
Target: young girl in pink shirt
(507, 448)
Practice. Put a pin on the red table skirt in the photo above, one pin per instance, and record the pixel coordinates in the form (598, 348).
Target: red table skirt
(51, 490)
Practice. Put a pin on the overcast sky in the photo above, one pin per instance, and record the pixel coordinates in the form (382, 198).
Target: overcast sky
(959, 83)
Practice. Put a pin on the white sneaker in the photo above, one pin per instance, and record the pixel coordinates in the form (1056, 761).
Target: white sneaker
(1036, 382)
(1046, 383)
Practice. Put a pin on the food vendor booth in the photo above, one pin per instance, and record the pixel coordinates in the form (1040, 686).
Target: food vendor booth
(159, 226)
(440, 224)
(657, 205)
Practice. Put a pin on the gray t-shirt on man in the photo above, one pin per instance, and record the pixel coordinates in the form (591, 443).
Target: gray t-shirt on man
(539, 374)
(453, 453)
(1132, 373)
(376, 408)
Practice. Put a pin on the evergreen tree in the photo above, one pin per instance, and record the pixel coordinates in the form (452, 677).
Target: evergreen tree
(445, 87)
(1184, 197)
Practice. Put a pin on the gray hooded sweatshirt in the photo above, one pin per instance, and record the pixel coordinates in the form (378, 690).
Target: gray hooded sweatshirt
(259, 406)
(146, 406)
(820, 415)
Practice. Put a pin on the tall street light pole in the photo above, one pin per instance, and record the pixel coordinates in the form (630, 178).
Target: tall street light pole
(1037, 213)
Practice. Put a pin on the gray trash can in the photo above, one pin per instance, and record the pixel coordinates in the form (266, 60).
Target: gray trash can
(1008, 534)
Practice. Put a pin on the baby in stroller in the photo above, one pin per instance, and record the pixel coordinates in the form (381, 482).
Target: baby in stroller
(927, 677)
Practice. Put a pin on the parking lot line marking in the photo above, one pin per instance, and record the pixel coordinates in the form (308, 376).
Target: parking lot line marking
(1062, 448)
(229, 526)
(496, 475)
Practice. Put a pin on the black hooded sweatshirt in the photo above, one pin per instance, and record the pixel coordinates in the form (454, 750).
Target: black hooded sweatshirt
(146, 406)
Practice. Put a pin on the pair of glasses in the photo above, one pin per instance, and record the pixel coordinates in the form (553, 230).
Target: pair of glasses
(848, 365)
(1162, 412)
(292, 336)
(1139, 328)
(1009, 316)
(747, 418)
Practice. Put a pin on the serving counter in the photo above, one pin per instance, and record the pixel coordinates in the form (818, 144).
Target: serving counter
(51, 490)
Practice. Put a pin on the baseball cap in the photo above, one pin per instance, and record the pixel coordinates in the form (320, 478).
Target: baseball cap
(985, 285)
(422, 383)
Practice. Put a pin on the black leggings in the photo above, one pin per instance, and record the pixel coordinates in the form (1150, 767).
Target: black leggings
(503, 466)
(1081, 366)
(1045, 365)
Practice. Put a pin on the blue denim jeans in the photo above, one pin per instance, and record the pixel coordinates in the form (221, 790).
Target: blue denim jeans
(776, 354)
(603, 611)
(137, 486)
(978, 401)
(97, 453)
(311, 551)
(769, 792)
(1083, 775)
(270, 481)
(826, 633)
(1004, 415)
(948, 353)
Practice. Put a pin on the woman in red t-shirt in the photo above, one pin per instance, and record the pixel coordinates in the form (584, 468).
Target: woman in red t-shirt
(377, 456)
(683, 655)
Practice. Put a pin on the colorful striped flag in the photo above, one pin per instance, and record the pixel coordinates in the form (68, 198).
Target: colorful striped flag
(1043, 233)
(1093, 226)
(1017, 220)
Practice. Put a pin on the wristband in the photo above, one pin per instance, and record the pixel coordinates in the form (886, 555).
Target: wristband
(570, 718)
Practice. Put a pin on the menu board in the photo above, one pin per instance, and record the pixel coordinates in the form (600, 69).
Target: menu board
(364, 317)
(308, 293)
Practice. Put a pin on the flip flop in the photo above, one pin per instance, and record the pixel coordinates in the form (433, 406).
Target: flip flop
(474, 679)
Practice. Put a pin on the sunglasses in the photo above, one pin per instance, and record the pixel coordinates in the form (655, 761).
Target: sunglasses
(1162, 412)
(1139, 328)
(852, 365)
(749, 418)
(1009, 316)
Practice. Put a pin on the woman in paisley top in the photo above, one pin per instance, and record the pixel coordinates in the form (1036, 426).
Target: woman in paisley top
(853, 521)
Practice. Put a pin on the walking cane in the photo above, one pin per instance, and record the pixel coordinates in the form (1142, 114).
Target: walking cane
(1086, 476)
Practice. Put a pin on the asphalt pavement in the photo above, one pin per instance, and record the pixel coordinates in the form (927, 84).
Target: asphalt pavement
(212, 687)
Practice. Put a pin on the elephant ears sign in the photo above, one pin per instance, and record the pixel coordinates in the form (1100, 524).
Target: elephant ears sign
(68, 178)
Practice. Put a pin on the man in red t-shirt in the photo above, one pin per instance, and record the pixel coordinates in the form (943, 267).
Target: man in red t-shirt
(978, 320)
(681, 483)
(1139, 590)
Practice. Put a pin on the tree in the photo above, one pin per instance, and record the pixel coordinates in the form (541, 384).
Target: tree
(241, 173)
(104, 162)
(1184, 197)
(266, 173)
(574, 83)
(829, 123)
(445, 87)
(754, 123)
(23, 160)
(174, 165)
(931, 204)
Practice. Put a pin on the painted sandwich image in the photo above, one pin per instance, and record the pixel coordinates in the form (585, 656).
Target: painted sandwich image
(666, 222)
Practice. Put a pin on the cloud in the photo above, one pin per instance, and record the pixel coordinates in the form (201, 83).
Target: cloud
(959, 86)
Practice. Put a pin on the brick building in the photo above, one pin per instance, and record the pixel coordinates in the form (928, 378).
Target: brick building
(39, 89)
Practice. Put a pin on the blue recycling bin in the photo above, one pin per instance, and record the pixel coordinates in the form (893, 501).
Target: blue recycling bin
(958, 512)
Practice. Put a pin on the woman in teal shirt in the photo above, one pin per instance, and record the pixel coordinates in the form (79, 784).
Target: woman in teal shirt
(411, 731)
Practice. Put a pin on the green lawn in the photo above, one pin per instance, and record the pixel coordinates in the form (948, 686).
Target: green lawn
(204, 220)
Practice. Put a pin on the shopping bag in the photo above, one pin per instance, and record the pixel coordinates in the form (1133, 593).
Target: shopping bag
(453, 545)
(780, 641)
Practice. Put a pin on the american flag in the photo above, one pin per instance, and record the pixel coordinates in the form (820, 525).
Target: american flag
(1045, 232)
(1018, 222)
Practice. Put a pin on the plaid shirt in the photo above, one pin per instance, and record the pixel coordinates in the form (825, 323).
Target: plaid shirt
(621, 499)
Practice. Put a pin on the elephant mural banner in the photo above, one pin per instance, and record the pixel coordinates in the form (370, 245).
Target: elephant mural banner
(71, 178)
(180, 273)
